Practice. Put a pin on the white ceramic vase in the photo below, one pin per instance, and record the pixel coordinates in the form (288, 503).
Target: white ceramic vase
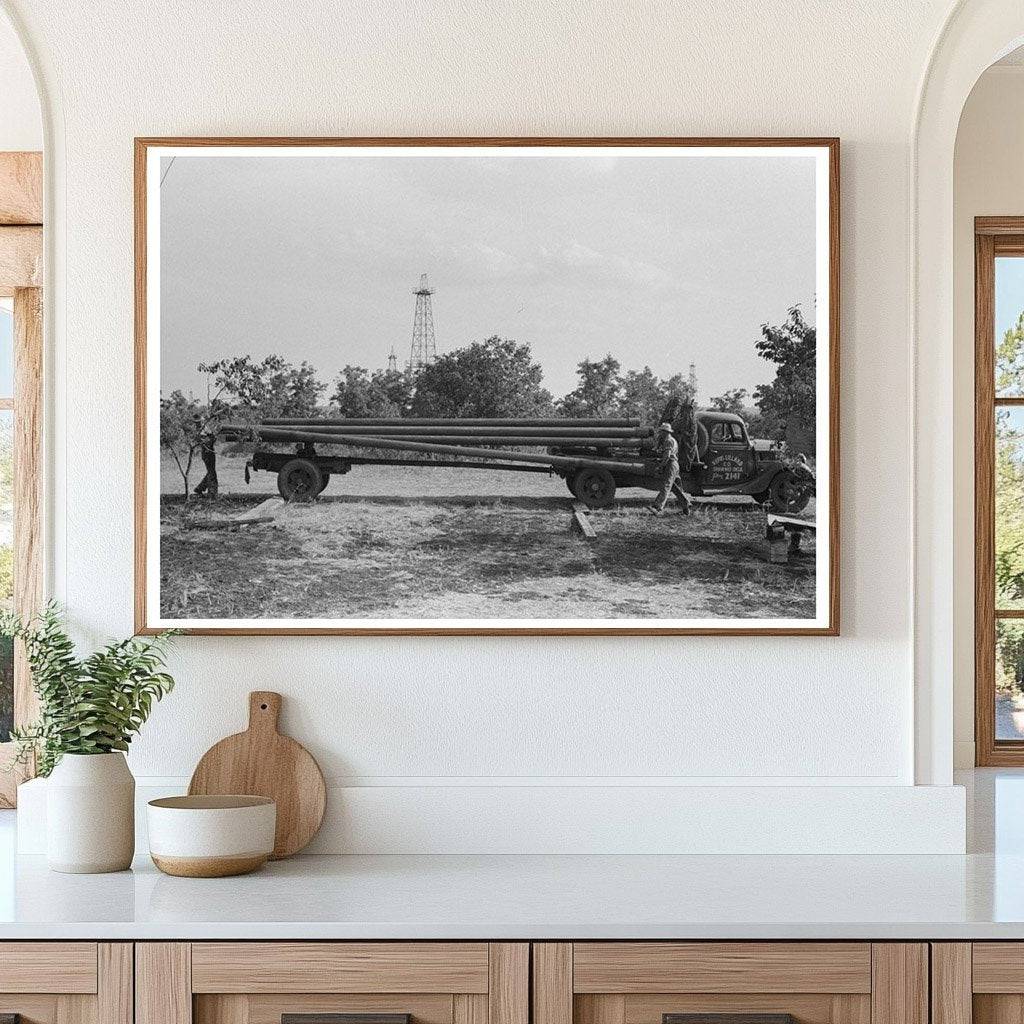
(90, 814)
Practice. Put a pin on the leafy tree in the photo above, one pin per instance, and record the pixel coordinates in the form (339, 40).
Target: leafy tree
(1009, 510)
(1009, 656)
(732, 401)
(790, 398)
(645, 395)
(599, 392)
(182, 421)
(496, 377)
(360, 394)
(1010, 360)
(271, 388)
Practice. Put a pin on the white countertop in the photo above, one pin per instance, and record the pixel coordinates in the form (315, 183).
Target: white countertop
(978, 896)
(532, 897)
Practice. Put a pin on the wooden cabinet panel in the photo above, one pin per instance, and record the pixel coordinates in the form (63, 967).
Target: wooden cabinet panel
(257, 982)
(238, 1008)
(340, 967)
(163, 983)
(757, 967)
(552, 983)
(899, 983)
(951, 982)
(68, 967)
(998, 967)
(67, 982)
(508, 982)
(807, 1008)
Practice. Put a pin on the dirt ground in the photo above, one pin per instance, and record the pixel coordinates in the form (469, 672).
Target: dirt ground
(394, 543)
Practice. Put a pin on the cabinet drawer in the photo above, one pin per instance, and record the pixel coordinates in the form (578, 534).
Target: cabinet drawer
(263, 982)
(630, 967)
(48, 967)
(340, 967)
(66, 982)
(733, 982)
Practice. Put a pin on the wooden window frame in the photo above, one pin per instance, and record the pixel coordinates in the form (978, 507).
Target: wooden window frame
(21, 270)
(993, 237)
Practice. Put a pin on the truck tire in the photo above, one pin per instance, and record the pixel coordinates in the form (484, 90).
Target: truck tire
(299, 480)
(594, 486)
(788, 494)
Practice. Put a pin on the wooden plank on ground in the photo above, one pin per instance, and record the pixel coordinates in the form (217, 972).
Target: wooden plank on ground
(263, 512)
(21, 258)
(580, 522)
(21, 188)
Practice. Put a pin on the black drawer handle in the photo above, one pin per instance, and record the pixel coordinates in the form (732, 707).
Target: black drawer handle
(339, 1018)
(728, 1018)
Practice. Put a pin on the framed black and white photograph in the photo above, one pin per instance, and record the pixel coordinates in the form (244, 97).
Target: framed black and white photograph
(487, 386)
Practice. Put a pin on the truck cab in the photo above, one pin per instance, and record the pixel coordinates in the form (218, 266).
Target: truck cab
(725, 448)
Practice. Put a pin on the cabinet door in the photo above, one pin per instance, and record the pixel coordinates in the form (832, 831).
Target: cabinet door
(981, 982)
(66, 982)
(332, 983)
(736, 982)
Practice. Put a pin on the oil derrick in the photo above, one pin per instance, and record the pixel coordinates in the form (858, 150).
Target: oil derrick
(424, 350)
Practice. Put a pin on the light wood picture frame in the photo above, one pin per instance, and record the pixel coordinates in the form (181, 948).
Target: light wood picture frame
(258, 602)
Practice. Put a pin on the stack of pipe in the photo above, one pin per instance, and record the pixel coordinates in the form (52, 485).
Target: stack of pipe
(477, 438)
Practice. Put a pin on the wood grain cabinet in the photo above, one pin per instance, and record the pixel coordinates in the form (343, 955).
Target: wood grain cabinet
(66, 982)
(301, 982)
(980, 982)
(752, 982)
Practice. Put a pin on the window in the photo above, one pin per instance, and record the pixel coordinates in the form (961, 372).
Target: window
(726, 433)
(999, 491)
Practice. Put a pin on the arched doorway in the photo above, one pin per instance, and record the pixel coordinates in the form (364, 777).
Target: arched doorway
(976, 33)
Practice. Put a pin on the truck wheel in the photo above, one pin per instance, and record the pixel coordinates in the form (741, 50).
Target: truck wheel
(788, 494)
(299, 480)
(594, 487)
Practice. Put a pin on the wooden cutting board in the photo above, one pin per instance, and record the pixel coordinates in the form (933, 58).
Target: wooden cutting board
(262, 762)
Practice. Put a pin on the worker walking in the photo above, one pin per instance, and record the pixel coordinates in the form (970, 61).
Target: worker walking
(208, 453)
(667, 449)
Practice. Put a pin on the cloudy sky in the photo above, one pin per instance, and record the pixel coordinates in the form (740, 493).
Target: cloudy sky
(659, 259)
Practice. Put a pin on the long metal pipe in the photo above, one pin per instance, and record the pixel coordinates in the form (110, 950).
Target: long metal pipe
(501, 440)
(470, 433)
(360, 441)
(552, 421)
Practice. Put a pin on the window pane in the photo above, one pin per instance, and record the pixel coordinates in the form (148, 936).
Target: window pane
(1009, 679)
(1009, 325)
(6, 567)
(6, 349)
(1009, 512)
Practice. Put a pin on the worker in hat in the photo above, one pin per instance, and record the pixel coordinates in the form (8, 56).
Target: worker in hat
(667, 449)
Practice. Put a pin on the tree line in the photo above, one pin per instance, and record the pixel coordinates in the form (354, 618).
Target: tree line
(1009, 508)
(497, 377)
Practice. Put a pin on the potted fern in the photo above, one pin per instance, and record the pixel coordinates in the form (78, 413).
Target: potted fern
(89, 710)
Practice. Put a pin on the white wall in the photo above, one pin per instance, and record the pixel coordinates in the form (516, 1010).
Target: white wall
(21, 126)
(443, 713)
(988, 181)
